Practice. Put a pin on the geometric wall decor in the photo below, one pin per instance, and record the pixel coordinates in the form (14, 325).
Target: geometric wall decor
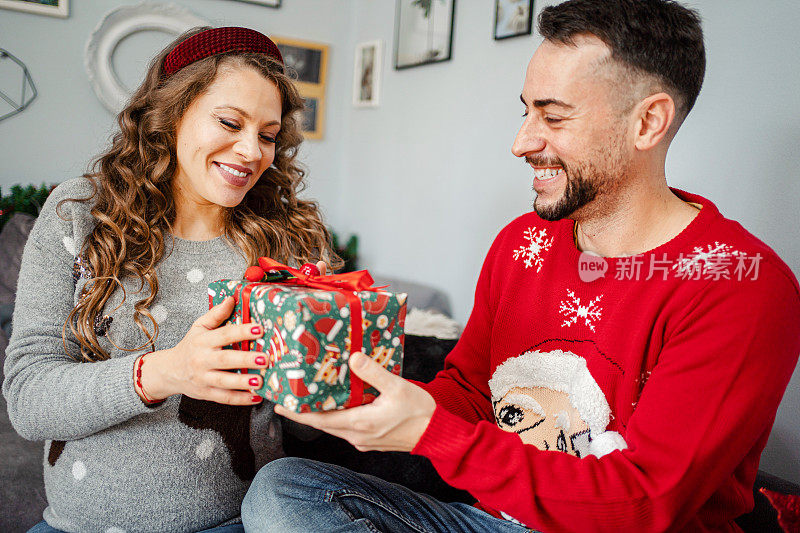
(17, 90)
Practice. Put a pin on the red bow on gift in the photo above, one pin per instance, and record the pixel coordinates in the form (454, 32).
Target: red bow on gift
(354, 281)
(348, 284)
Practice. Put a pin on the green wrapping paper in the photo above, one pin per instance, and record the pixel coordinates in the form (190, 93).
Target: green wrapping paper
(307, 338)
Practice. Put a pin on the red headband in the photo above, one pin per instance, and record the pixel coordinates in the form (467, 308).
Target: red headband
(218, 41)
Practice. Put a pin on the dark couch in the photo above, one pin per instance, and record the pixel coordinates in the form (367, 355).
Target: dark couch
(22, 497)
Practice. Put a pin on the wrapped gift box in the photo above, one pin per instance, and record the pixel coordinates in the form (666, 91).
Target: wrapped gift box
(307, 338)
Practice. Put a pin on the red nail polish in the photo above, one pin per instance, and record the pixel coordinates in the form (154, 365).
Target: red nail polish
(255, 330)
(261, 360)
(256, 399)
(253, 381)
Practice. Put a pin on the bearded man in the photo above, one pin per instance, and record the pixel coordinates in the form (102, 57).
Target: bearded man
(686, 356)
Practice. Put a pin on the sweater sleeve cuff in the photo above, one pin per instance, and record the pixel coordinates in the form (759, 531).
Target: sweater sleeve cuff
(432, 390)
(119, 386)
(442, 432)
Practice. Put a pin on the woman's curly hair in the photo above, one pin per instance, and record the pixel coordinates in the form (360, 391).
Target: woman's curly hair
(134, 207)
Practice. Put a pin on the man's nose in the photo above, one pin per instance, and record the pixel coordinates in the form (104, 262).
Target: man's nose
(529, 138)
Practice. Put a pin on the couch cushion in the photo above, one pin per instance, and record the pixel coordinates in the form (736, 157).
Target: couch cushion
(420, 295)
(6, 311)
(12, 242)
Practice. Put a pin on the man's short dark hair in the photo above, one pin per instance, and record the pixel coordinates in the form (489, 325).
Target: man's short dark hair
(658, 37)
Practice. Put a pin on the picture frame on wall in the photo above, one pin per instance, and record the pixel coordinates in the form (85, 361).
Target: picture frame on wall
(512, 18)
(52, 8)
(267, 3)
(309, 61)
(423, 32)
(367, 74)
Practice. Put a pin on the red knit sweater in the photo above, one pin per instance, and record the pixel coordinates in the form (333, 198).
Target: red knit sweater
(684, 378)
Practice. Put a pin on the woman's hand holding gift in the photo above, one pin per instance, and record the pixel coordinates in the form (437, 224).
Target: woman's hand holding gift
(199, 367)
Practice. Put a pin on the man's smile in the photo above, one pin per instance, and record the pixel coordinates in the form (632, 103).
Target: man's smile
(546, 173)
(546, 177)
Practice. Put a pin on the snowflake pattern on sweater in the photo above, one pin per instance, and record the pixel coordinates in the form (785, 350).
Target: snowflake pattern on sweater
(714, 260)
(573, 310)
(531, 253)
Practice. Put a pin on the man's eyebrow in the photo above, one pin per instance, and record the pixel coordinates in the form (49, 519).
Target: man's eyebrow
(551, 101)
(546, 102)
(245, 114)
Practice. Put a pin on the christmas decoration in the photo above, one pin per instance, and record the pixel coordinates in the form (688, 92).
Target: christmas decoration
(254, 273)
(28, 199)
(348, 251)
(311, 325)
(310, 269)
(788, 508)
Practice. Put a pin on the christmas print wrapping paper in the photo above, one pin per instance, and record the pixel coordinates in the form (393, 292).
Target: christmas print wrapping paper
(307, 340)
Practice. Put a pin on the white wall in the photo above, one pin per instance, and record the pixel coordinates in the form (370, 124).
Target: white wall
(436, 154)
(66, 125)
(739, 148)
(427, 178)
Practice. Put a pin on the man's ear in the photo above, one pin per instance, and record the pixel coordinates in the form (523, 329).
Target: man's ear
(654, 117)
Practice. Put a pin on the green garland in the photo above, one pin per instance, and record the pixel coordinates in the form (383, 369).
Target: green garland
(28, 199)
(348, 252)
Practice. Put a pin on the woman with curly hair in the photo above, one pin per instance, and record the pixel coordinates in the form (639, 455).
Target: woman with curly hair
(114, 359)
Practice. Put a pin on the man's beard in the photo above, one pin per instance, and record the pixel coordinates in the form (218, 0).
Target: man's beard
(585, 181)
(578, 192)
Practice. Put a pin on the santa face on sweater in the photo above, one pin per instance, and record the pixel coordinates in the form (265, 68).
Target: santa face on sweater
(551, 400)
(544, 418)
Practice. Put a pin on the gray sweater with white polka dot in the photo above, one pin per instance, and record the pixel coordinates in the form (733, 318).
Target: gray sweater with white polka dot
(110, 462)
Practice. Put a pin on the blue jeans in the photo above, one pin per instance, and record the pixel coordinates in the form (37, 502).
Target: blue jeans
(293, 494)
(44, 527)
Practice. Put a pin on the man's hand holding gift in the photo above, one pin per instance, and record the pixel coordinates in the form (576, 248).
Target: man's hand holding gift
(395, 421)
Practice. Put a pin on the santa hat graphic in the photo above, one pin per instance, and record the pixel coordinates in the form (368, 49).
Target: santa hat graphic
(566, 372)
(328, 327)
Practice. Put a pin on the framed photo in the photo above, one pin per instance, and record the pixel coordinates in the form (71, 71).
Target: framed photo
(310, 62)
(268, 3)
(310, 117)
(53, 8)
(512, 18)
(423, 32)
(367, 74)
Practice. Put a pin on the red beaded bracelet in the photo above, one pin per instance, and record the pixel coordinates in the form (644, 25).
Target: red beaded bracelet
(138, 380)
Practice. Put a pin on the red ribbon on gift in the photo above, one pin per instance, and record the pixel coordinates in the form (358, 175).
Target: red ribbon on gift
(346, 284)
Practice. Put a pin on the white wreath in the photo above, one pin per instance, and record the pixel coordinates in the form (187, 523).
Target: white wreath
(116, 25)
